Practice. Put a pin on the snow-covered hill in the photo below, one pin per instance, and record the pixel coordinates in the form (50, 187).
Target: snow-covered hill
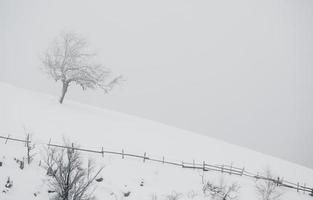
(93, 127)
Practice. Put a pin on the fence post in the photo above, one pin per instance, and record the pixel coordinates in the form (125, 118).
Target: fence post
(49, 143)
(144, 157)
(26, 141)
(72, 147)
(243, 169)
(102, 152)
(298, 187)
(182, 164)
(7, 139)
(122, 153)
(277, 180)
(163, 159)
(222, 170)
(28, 149)
(257, 176)
(203, 168)
(231, 168)
(193, 164)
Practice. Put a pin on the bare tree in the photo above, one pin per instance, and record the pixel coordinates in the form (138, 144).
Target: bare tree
(30, 147)
(222, 191)
(268, 189)
(69, 60)
(69, 179)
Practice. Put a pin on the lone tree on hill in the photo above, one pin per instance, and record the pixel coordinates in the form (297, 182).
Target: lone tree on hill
(69, 60)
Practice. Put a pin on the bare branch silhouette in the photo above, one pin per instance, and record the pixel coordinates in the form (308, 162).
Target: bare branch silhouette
(68, 177)
(267, 189)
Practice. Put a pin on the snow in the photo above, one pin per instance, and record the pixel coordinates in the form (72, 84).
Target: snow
(92, 127)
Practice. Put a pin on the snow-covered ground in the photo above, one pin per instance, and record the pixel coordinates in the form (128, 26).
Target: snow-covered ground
(92, 127)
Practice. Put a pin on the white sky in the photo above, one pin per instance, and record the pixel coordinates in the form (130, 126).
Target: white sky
(238, 70)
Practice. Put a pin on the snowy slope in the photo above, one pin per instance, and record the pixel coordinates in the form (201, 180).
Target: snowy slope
(92, 127)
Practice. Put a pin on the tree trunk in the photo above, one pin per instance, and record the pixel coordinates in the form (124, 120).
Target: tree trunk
(64, 90)
(65, 196)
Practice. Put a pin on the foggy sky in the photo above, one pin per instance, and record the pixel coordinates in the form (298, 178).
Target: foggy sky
(240, 71)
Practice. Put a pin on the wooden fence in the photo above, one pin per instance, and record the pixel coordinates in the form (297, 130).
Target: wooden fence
(226, 169)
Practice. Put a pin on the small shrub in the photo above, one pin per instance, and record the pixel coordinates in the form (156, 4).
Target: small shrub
(173, 196)
(192, 194)
(9, 183)
(267, 189)
(222, 191)
(99, 179)
(126, 194)
(69, 179)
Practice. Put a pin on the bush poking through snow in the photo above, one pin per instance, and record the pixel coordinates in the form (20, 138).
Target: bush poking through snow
(221, 191)
(268, 190)
(36, 194)
(126, 194)
(99, 179)
(142, 183)
(192, 194)
(9, 183)
(70, 180)
(173, 196)
(20, 163)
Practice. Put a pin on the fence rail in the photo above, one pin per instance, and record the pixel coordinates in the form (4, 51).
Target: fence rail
(226, 169)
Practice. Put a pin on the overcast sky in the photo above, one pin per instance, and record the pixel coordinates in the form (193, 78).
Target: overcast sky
(240, 71)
